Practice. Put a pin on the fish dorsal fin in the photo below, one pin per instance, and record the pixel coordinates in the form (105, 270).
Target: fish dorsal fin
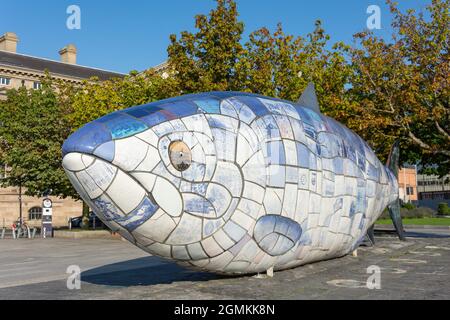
(309, 98)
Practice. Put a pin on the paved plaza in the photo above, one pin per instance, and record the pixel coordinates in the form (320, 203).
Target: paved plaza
(115, 269)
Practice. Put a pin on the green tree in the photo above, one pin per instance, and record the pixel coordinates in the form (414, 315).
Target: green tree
(281, 65)
(206, 60)
(32, 130)
(402, 86)
(269, 65)
(95, 98)
(277, 64)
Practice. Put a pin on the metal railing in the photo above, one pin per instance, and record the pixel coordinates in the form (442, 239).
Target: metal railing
(23, 231)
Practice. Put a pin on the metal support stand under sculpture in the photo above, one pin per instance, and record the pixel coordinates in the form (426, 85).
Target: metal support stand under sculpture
(231, 182)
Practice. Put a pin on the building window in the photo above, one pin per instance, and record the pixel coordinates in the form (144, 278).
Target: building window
(5, 81)
(35, 213)
(37, 85)
(409, 191)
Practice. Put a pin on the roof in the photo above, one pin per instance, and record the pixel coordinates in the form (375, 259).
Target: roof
(55, 67)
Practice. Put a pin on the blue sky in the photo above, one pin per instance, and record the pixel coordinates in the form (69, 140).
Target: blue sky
(134, 34)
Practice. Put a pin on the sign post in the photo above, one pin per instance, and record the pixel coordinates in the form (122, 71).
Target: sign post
(47, 217)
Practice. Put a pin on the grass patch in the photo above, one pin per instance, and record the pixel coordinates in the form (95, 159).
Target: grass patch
(420, 221)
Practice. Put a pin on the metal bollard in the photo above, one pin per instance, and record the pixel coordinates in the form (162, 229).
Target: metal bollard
(28, 232)
(44, 232)
(14, 233)
(3, 233)
(34, 233)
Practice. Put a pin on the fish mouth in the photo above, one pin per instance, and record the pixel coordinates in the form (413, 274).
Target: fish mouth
(116, 197)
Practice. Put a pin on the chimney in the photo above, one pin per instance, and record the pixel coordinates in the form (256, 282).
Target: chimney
(69, 54)
(8, 42)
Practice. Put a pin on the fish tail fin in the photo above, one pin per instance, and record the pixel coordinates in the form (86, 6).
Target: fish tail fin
(394, 207)
(394, 155)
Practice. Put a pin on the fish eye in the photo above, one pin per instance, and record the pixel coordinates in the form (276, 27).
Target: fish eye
(180, 155)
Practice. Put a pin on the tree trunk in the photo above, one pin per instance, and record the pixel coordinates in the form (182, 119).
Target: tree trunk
(85, 219)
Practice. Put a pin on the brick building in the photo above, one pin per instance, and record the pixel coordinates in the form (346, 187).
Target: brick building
(407, 183)
(424, 190)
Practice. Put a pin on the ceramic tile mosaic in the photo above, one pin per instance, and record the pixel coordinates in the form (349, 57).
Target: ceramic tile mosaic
(256, 182)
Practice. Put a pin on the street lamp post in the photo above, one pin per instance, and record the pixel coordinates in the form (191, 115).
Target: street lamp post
(20, 204)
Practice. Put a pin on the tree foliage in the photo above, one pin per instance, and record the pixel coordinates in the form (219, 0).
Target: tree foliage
(95, 99)
(207, 60)
(402, 86)
(32, 129)
(281, 65)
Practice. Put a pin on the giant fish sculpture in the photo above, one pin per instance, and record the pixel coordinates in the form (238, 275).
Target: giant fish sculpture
(231, 182)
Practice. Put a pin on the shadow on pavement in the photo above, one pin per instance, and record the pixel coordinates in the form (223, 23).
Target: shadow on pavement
(152, 270)
(136, 273)
(413, 234)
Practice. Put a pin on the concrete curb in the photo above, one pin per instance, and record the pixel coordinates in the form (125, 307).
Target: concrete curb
(92, 234)
(411, 226)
